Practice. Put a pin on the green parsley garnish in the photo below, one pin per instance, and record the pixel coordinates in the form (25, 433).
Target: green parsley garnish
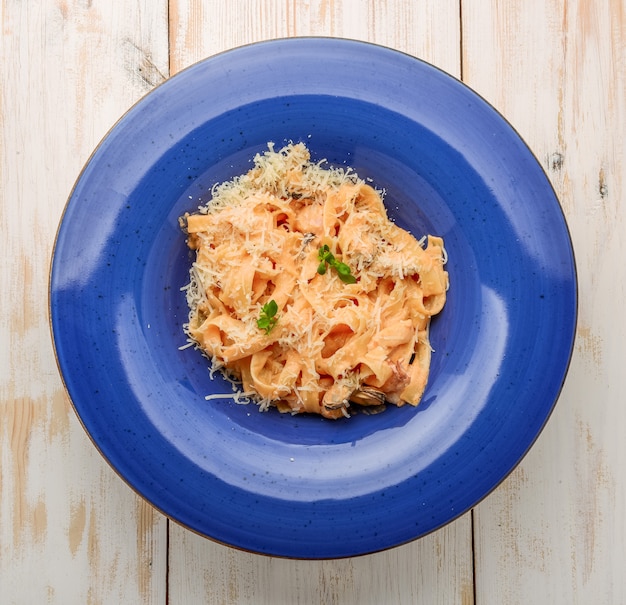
(326, 257)
(267, 319)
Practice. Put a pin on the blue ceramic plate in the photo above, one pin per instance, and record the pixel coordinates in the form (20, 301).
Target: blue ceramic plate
(298, 486)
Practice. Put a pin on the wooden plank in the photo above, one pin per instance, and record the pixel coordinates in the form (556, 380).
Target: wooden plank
(428, 29)
(435, 570)
(70, 530)
(555, 531)
(438, 568)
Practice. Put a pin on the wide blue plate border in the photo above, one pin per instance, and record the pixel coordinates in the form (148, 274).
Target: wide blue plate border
(306, 487)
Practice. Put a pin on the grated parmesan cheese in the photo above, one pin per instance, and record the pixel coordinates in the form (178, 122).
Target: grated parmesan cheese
(258, 240)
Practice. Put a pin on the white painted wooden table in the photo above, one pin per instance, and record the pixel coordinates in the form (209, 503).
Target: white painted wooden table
(72, 532)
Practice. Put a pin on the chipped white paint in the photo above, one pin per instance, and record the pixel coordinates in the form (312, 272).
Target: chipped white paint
(72, 532)
(555, 532)
(426, 28)
(438, 569)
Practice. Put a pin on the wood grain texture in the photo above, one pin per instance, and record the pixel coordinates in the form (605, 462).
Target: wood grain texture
(429, 29)
(437, 569)
(555, 532)
(70, 530)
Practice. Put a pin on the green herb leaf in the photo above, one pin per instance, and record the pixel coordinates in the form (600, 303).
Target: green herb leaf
(345, 275)
(342, 269)
(271, 308)
(267, 319)
(326, 257)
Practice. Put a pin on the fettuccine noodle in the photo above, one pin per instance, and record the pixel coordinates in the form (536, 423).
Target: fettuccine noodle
(330, 344)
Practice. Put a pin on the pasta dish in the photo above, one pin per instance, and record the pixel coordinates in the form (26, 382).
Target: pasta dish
(305, 294)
